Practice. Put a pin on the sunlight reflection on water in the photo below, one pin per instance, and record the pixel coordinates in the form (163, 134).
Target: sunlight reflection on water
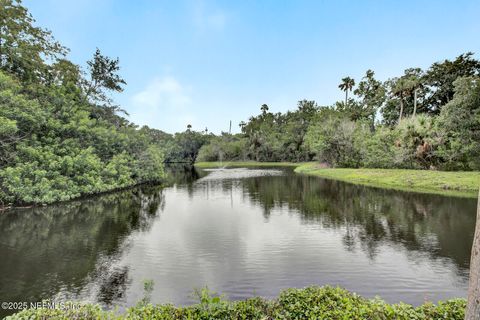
(238, 173)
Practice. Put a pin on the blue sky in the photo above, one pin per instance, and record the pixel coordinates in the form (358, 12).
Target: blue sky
(204, 63)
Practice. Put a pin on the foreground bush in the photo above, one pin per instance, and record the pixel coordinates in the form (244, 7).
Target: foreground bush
(309, 303)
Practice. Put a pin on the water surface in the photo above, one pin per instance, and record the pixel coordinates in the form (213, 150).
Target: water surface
(241, 232)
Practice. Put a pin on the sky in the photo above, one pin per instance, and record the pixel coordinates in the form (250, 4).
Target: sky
(204, 63)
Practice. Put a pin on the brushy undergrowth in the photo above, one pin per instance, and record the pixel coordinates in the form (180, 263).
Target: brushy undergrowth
(308, 303)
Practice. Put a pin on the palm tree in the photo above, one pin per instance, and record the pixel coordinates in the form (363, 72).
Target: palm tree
(412, 83)
(414, 102)
(407, 86)
(242, 125)
(347, 85)
(415, 85)
(264, 108)
(400, 89)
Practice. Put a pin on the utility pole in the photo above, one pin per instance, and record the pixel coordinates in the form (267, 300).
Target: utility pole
(472, 311)
(230, 129)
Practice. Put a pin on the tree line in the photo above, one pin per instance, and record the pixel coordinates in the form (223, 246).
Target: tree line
(423, 119)
(62, 136)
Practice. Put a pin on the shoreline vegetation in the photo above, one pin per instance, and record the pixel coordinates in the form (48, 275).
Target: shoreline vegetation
(4, 208)
(239, 164)
(307, 303)
(449, 183)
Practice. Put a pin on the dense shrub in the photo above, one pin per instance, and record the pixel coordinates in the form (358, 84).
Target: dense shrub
(309, 303)
(224, 147)
(337, 140)
(53, 150)
(458, 127)
(269, 136)
(379, 149)
(415, 144)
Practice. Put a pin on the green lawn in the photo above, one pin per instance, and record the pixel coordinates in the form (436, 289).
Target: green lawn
(455, 183)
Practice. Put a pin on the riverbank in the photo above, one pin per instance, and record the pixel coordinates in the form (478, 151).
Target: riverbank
(80, 197)
(308, 303)
(454, 183)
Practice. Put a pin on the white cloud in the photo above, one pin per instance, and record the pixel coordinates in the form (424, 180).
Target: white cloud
(162, 92)
(163, 104)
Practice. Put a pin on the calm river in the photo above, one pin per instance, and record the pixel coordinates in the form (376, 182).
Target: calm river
(241, 232)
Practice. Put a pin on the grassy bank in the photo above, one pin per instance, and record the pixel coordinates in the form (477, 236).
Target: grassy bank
(236, 164)
(308, 303)
(455, 183)
(459, 183)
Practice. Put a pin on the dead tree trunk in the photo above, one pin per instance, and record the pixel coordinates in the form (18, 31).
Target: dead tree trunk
(473, 301)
